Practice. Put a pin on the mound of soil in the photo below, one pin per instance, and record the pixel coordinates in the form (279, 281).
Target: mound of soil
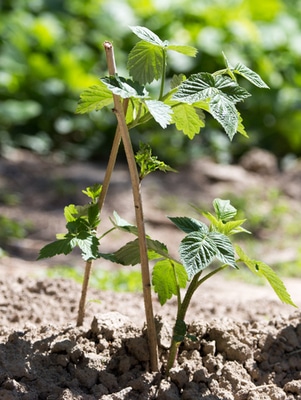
(247, 344)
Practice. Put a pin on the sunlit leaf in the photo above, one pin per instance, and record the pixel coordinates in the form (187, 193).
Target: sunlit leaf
(250, 75)
(124, 88)
(188, 119)
(161, 112)
(225, 250)
(197, 251)
(188, 225)
(94, 98)
(62, 246)
(145, 62)
(261, 269)
(224, 209)
(167, 277)
(186, 50)
(147, 35)
(224, 111)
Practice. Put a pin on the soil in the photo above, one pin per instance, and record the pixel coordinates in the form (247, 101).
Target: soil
(247, 343)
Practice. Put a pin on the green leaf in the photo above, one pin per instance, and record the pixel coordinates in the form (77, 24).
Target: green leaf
(124, 88)
(147, 35)
(94, 98)
(189, 225)
(250, 75)
(187, 119)
(93, 215)
(123, 225)
(70, 213)
(129, 254)
(167, 277)
(225, 250)
(197, 87)
(160, 111)
(145, 62)
(225, 113)
(230, 89)
(186, 50)
(88, 244)
(62, 246)
(197, 251)
(224, 210)
(263, 270)
(149, 163)
(93, 192)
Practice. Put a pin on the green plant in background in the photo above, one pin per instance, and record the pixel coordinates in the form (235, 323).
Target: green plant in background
(50, 53)
(183, 105)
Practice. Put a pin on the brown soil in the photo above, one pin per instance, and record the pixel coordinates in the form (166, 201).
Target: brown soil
(248, 344)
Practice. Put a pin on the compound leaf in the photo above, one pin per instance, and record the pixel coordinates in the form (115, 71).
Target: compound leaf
(94, 98)
(261, 269)
(167, 277)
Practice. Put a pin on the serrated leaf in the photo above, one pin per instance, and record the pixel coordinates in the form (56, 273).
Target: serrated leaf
(93, 191)
(177, 80)
(70, 212)
(167, 277)
(88, 244)
(189, 225)
(250, 75)
(224, 209)
(94, 98)
(197, 251)
(147, 35)
(62, 246)
(231, 89)
(186, 50)
(187, 119)
(129, 254)
(124, 88)
(261, 269)
(225, 250)
(93, 215)
(145, 62)
(225, 113)
(123, 225)
(197, 87)
(161, 112)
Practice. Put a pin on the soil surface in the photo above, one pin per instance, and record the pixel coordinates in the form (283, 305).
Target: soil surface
(247, 343)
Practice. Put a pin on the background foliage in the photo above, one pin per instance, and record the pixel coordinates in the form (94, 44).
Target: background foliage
(52, 49)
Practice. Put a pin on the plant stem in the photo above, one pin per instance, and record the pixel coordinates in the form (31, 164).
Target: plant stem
(82, 302)
(151, 329)
(182, 309)
(163, 75)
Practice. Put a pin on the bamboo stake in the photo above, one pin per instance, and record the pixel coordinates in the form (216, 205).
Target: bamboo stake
(118, 110)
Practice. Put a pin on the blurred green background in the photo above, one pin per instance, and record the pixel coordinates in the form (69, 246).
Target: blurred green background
(51, 50)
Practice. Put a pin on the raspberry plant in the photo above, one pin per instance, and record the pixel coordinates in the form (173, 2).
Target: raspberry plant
(184, 104)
